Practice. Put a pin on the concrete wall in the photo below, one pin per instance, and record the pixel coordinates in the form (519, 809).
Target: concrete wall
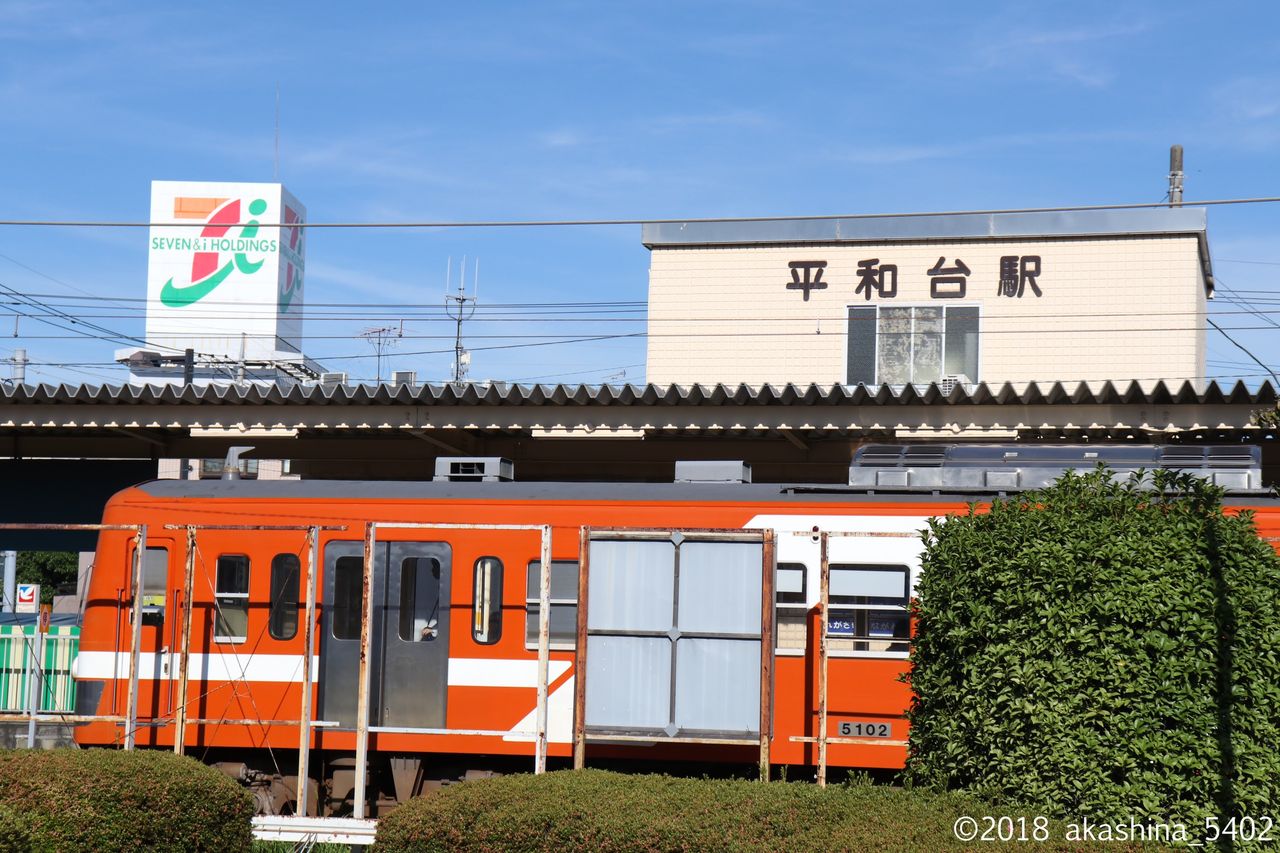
(1112, 309)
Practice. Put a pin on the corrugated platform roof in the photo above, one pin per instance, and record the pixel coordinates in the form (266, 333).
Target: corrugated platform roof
(504, 394)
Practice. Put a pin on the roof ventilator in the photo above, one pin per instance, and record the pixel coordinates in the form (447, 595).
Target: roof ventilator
(1001, 468)
(474, 469)
(404, 377)
(713, 471)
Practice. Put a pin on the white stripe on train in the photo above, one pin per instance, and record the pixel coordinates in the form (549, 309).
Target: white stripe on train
(231, 666)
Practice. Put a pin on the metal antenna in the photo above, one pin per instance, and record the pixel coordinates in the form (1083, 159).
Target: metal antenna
(382, 338)
(458, 302)
(1175, 176)
(275, 171)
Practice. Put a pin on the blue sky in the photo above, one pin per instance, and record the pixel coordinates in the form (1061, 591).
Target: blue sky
(496, 111)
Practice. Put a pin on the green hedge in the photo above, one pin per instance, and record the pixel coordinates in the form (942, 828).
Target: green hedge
(593, 810)
(105, 800)
(1101, 649)
(15, 835)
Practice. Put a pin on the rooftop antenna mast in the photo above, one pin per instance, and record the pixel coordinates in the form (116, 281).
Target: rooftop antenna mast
(275, 170)
(456, 308)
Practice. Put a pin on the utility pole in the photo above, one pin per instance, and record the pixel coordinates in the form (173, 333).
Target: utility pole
(458, 303)
(188, 376)
(380, 339)
(10, 580)
(18, 366)
(1175, 176)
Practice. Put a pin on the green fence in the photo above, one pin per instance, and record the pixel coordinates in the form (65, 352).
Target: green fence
(18, 647)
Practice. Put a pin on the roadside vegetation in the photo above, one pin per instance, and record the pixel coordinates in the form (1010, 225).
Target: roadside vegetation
(595, 810)
(110, 800)
(1100, 648)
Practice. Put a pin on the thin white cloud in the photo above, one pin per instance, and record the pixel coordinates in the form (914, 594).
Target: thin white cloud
(562, 138)
(349, 279)
(1082, 35)
(1249, 99)
(889, 154)
(685, 121)
(1074, 54)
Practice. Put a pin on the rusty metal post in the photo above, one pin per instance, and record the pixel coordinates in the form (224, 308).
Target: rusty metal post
(544, 651)
(824, 592)
(308, 640)
(29, 676)
(135, 650)
(580, 655)
(184, 650)
(766, 650)
(362, 685)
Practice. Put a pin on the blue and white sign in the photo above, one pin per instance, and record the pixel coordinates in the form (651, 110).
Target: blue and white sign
(28, 598)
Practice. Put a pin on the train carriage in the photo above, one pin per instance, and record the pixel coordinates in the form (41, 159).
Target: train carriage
(453, 672)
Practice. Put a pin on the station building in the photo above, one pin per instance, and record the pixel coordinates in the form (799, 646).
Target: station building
(1070, 297)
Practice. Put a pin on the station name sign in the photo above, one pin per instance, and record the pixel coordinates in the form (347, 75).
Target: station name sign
(1019, 275)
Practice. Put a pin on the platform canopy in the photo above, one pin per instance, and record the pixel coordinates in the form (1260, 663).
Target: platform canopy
(578, 432)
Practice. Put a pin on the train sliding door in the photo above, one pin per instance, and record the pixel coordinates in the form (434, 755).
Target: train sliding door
(410, 629)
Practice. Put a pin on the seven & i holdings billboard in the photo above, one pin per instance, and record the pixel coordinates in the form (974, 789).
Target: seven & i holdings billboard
(225, 269)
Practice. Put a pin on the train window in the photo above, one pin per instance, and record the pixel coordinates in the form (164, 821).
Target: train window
(486, 612)
(419, 598)
(868, 610)
(283, 623)
(564, 603)
(348, 575)
(232, 595)
(793, 608)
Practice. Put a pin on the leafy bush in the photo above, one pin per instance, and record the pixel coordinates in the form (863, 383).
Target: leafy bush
(15, 837)
(1101, 649)
(103, 800)
(593, 810)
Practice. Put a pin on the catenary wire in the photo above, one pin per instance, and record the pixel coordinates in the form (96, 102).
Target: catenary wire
(544, 223)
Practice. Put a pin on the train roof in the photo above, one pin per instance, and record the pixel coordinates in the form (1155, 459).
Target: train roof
(562, 491)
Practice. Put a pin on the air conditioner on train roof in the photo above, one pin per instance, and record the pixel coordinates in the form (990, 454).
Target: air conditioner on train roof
(474, 469)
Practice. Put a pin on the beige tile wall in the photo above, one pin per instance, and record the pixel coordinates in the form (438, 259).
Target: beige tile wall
(1113, 309)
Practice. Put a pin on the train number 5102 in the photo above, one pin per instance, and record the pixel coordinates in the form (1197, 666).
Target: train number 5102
(851, 729)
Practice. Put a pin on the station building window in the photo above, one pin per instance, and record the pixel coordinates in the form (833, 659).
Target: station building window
(912, 344)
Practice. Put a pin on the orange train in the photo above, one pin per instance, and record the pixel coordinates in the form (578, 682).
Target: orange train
(453, 675)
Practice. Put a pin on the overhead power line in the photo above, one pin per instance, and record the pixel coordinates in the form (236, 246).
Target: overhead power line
(550, 223)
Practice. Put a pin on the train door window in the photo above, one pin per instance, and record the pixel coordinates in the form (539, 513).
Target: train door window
(232, 594)
(348, 576)
(486, 612)
(869, 608)
(793, 609)
(155, 584)
(564, 603)
(419, 598)
(283, 623)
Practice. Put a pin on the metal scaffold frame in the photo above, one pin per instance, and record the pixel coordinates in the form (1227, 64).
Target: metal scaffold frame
(767, 540)
(32, 715)
(822, 739)
(304, 721)
(363, 728)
